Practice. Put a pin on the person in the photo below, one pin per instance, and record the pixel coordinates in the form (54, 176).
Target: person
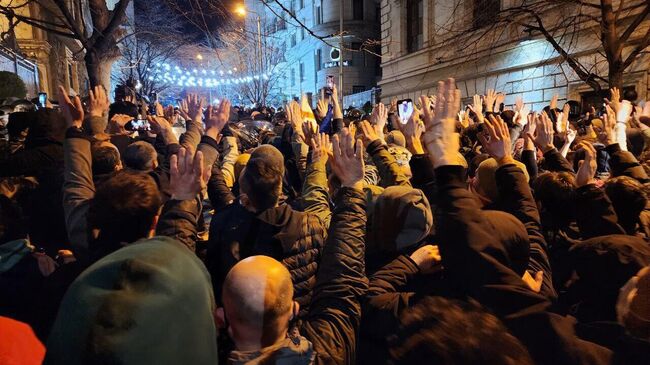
(258, 293)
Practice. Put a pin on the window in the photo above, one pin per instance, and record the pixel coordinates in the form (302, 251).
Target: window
(485, 11)
(414, 25)
(293, 40)
(292, 7)
(302, 4)
(302, 72)
(358, 89)
(317, 15)
(302, 29)
(70, 75)
(318, 60)
(293, 77)
(357, 9)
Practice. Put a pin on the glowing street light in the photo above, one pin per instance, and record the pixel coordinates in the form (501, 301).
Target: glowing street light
(199, 56)
(240, 10)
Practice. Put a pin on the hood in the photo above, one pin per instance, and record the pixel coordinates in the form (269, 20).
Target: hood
(294, 350)
(602, 266)
(513, 236)
(148, 303)
(401, 217)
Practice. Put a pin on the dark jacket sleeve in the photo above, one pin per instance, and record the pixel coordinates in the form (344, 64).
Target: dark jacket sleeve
(554, 161)
(516, 198)
(528, 159)
(595, 214)
(218, 192)
(389, 170)
(386, 299)
(476, 261)
(333, 320)
(178, 220)
(423, 176)
(623, 163)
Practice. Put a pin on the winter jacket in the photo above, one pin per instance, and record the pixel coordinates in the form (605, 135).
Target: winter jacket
(478, 264)
(295, 238)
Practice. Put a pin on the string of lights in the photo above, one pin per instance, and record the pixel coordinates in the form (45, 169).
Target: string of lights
(173, 74)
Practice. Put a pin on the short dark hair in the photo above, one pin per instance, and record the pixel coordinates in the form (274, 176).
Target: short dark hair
(628, 199)
(124, 208)
(262, 184)
(140, 156)
(556, 191)
(450, 332)
(105, 159)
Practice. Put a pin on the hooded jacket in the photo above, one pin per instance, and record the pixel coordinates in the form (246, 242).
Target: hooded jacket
(147, 303)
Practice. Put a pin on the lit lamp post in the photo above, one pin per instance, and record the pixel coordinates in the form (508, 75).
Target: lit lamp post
(241, 11)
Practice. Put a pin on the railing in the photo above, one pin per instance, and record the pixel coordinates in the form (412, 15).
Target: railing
(359, 99)
(25, 69)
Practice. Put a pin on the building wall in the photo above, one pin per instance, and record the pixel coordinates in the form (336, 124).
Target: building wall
(362, 70)
(520, 67)
(58, 58)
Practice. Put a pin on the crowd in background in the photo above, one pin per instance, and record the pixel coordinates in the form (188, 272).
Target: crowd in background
(133, 233)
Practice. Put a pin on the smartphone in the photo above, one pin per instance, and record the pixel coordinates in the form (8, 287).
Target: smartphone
(329, 85)
(138, 125)
(42, 100)
(404, 110)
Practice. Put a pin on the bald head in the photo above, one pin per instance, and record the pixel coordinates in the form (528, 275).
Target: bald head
(258, 297)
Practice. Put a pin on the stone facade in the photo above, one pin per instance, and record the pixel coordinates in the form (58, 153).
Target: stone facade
(520, 66)
(307, 60)
(58, 58)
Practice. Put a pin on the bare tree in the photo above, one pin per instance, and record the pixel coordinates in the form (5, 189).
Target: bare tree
(98, 33)
(618, 29)
(157, 38)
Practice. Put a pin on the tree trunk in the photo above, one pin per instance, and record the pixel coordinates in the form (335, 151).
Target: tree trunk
(615, 75)
(99, 69)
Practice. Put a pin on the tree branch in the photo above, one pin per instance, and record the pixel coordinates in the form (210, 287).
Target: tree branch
(634, 25)
(645, 42)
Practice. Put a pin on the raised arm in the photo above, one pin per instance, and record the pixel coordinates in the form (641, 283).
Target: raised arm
(78, 185)
(341, 282)
(188, 177)
(192, 110)
(389, 171)
(314, 191)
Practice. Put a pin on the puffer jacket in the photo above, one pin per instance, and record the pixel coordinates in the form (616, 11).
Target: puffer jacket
(295, 238)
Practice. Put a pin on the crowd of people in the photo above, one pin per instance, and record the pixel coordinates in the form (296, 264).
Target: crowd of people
(481, 235)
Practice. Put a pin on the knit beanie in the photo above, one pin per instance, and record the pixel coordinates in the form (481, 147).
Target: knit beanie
(486, 174)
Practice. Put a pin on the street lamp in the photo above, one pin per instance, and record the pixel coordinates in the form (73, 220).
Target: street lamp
(241, 11)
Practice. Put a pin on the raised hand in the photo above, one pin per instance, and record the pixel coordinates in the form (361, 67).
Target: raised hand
(321, 108)
(294, 115)
(587, 167)
(615, 99)
(521, 112)
(195, 107)
(500, 98)
(495, 138)
(321, 147)
(440, 135)
(368, 132)
(412, 132)
(347, 162)
(379, 116)
(543, 139)
(477, 106)
(490, 98)
(98, 102)
(73, 111)
(427, 258)
(188, 176)
(170, 115)
(553, 104)
(217, 118)
(608, 135)
(309, 131)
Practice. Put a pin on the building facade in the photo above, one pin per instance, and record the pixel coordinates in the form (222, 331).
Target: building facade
(424, 41)
(309, 60)
(59, 59)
